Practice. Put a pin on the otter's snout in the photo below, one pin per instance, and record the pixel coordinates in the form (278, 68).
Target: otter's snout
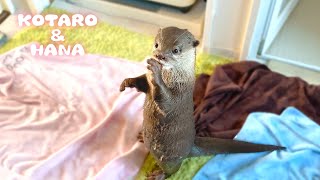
(160, 56)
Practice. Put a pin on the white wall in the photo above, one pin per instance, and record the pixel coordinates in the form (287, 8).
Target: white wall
(225, 26)
(37, 6)
(7, 5)
(25, 6)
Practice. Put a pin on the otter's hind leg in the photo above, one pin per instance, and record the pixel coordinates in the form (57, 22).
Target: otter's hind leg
(164, 170)
(140, 83)
(140, 137)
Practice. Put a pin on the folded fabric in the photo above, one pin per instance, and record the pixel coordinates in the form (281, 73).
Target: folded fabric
(63, 117)
(238, 89)
(292, 129)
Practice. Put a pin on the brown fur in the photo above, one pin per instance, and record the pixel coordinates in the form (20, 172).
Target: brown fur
(168, 125)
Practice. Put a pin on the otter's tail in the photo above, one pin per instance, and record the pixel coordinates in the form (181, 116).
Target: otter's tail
(209, 146)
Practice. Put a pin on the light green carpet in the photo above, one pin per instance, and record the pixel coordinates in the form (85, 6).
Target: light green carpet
(116, 41)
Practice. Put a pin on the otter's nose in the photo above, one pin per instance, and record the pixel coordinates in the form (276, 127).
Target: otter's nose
(160, 56)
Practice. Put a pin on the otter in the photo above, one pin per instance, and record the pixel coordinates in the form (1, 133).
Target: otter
(168, 124)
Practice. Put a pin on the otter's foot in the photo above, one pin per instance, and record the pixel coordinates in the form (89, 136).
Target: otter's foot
(156, 175)
(140, 137)
(155, 67)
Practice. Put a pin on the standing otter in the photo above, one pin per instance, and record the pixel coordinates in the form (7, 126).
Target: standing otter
(168, 125)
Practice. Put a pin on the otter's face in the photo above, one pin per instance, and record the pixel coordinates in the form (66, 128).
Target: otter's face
(174, 46)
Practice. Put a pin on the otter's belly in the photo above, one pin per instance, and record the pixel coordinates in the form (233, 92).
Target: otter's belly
(168, 137)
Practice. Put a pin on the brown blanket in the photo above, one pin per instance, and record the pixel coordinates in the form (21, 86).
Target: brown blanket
(224, 99)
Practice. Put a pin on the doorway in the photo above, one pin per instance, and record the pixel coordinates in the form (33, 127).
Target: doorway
(286, 37)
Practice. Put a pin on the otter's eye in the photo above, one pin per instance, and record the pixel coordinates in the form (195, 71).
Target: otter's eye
(175, 51)
(156, 45)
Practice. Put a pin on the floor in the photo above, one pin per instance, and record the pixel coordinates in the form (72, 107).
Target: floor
(144, 18)
(9, 27)
(312, 77)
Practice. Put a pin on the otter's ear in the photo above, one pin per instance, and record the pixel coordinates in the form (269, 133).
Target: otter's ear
(195, 43)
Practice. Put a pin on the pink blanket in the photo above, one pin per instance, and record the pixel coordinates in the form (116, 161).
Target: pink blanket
(64, 117)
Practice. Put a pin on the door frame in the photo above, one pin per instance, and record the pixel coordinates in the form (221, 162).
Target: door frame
(258, 23)
(277, 19)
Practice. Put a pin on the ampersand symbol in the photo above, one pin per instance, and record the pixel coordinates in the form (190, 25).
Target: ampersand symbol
(56, 35)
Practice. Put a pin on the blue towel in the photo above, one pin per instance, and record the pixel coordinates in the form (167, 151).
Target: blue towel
(292, 129)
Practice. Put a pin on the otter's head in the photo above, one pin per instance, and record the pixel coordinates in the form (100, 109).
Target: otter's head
(175, 48)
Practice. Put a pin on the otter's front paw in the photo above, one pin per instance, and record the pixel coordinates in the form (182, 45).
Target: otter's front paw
(127, 83)
(155, 67)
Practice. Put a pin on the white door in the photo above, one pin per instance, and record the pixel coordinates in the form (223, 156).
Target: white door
(278, 15)
(288, 41)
